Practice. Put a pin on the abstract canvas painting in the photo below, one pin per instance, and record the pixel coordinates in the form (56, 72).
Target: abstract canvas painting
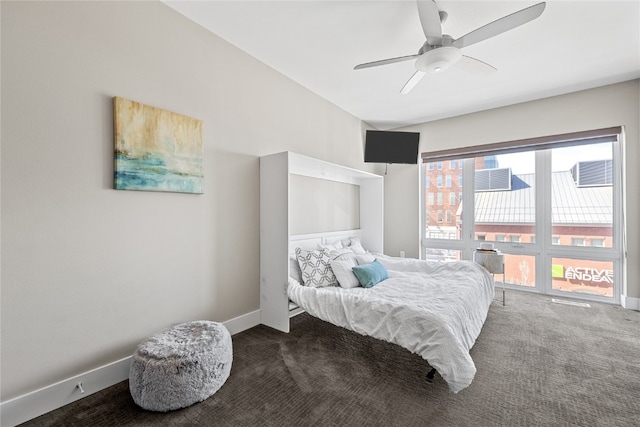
(156, 150)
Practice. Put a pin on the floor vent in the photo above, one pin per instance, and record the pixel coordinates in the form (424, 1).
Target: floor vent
(577, 304)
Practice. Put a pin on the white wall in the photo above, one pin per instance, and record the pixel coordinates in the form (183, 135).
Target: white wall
(87, 271)
(322, 205)
(602, 107)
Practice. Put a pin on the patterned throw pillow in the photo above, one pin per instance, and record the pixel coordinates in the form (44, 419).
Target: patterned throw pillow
(316, 268)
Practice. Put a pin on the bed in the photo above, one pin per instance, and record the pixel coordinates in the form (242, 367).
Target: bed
(434, 309)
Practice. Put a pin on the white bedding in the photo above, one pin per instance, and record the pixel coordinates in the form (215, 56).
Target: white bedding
(432, 309)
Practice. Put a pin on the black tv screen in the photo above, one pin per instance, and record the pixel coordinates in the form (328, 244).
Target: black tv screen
(391, 147)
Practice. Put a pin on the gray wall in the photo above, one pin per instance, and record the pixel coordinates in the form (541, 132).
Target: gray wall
(87, 271)
(612, 105)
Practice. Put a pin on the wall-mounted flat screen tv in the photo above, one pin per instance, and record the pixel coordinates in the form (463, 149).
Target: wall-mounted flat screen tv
(391, 147)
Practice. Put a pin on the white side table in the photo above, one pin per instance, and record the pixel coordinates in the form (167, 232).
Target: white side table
(493, 261)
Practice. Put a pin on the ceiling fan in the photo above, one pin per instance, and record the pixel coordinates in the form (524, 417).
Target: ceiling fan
(441, 51)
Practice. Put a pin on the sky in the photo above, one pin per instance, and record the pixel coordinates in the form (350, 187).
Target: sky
(563, 159)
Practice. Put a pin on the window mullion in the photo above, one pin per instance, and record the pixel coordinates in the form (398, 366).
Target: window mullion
(544, 219)
(468, 197)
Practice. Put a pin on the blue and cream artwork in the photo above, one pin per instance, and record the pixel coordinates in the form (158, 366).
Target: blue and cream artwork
(156, 150)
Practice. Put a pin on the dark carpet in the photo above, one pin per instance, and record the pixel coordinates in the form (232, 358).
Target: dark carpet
(539, 363)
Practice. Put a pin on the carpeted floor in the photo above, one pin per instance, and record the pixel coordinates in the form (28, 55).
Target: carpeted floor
(539, 364)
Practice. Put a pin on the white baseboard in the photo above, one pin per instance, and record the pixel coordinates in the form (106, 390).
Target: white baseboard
(39, 402)
(242, 323)
(31, 405)
(630, 303)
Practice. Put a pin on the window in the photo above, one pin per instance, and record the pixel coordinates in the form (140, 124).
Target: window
(439, 198)
(430, 199)
(439, 166)
(582, 190)
(561, 195)
(439, 181)
(460, 180)
(431, 166)
(577, 241)
(448, 180)
(452, 164)
(427, 182)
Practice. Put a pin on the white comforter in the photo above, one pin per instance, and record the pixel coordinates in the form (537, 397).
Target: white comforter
(432, 309)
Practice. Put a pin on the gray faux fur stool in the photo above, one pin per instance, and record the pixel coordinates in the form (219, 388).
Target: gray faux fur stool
(180, 366)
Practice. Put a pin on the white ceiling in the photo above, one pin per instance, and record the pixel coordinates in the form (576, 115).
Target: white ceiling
(574, 45)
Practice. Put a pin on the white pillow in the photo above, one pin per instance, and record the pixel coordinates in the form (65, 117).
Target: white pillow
(342, 254)
(366, 258)
(294, 269)
(315, 267)
(356, 246)
(342, 270)
(331, 246)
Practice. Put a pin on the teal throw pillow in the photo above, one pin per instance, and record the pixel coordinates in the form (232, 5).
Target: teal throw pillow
(370, 274)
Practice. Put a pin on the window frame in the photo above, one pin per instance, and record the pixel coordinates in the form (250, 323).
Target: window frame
(541, 244)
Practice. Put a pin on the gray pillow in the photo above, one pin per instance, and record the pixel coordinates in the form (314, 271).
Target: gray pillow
(316, 268)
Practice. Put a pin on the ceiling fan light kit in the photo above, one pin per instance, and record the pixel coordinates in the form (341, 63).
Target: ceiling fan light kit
(442, 51)
(437, 60)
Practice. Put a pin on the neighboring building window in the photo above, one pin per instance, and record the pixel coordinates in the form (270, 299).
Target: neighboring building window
(533, 239)
(460, 180)
(427, 182)
(481, 237)
(439, 216)
(555, 240)
(577, 241)
(431, 167)
(439, 166)
(597, 243)
(439, 198)
(452, 164)
(452, 198)
(448, 216)
(430, 199)
(500, 238)
(459, 164)
(439, 180)
(514, 239)
(448, 180)
(490, 162)
(460, 197)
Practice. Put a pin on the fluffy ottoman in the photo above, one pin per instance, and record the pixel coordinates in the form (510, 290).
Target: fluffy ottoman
(180, 366)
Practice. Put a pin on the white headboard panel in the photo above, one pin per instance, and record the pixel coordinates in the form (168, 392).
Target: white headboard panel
(311, 241)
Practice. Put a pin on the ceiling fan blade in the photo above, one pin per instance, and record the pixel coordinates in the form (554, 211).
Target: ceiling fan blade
(412, 82)
(474, 65)
(385, 62)
(430, 21)
(500, 26)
